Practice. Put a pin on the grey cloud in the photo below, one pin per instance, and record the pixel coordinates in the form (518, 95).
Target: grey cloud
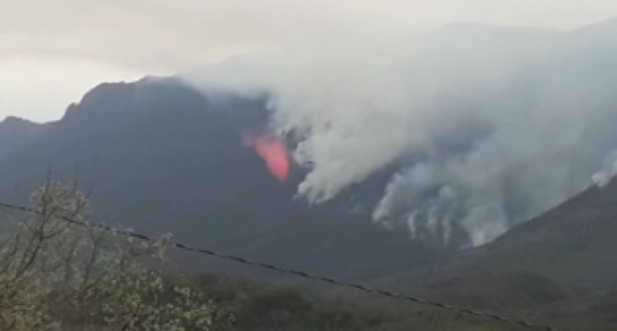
(175, 35)
(163, 35)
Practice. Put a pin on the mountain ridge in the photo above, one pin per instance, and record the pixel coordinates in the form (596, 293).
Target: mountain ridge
(571, 244)
(123, 137)
(160, 157)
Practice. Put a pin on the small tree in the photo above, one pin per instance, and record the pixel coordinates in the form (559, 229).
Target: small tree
(58, 275)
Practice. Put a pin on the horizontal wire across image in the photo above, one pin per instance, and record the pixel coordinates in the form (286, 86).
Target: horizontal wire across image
(293, 272)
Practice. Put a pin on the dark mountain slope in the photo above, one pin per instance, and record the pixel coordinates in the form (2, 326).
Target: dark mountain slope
(160, 157)
(574, 243)
(16, 132)
(558, 268)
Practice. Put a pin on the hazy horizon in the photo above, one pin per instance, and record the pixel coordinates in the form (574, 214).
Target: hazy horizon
(65, 48)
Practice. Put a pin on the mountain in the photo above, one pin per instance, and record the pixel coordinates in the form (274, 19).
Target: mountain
(529, 120)
(15, 132)
(558, 268)
(160, 157)
(573, 243)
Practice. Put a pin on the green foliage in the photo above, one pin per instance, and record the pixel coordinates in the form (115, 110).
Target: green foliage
(58, 276)
(258, 307)
(55, 275)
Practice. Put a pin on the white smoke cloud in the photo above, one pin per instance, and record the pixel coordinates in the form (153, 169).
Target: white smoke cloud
(490, 126)
(608, 171)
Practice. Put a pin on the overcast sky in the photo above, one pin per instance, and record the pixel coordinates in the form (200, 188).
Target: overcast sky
(51, 52)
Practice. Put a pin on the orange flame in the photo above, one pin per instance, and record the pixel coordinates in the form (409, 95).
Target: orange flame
(273, 151)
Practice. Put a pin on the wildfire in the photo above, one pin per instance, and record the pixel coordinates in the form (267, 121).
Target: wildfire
(272, 150)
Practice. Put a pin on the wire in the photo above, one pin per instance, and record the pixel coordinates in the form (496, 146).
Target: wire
(297, 273)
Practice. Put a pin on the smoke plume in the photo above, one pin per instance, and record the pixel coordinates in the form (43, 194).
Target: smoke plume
(488, 126)
(608, 171)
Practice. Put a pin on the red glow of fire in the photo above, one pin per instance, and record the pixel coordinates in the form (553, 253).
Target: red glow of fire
(273, 151)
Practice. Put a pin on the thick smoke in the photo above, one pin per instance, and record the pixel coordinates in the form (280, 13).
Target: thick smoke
(608, 171)
(489, 126)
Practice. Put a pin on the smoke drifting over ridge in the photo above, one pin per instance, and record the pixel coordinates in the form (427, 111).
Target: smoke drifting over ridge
(488, 126)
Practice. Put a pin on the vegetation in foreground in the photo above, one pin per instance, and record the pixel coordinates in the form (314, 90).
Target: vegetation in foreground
(59, 276)
(56, 276)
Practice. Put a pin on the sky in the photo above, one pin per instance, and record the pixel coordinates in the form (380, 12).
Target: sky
(52, 52)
